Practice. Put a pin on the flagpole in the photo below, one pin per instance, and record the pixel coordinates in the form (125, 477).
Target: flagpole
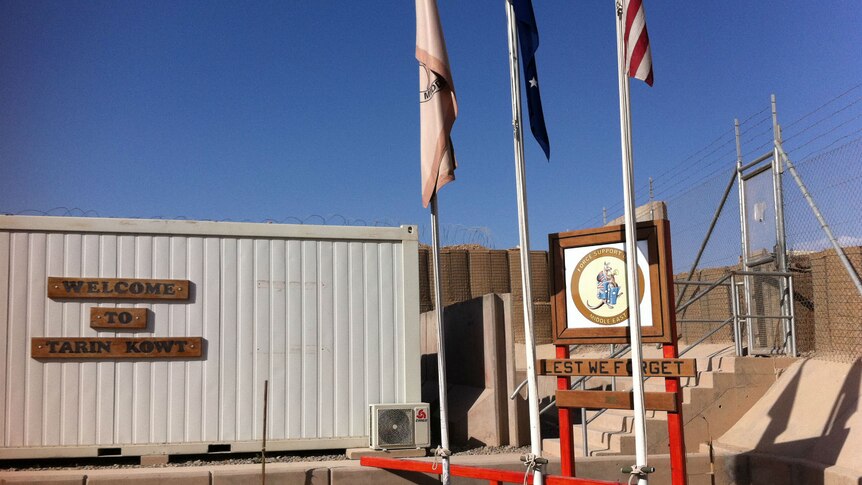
(631, 254)
(534, 460)
(442, 452)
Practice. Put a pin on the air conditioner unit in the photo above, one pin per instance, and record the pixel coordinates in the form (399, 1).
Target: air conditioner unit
(396, 426)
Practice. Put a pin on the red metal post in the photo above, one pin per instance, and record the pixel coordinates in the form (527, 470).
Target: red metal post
(567, 442)
(676, 436)
(489, 474)
(675, 424)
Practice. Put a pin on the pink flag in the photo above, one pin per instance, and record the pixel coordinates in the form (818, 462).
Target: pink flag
(437, 105)
(638, 55)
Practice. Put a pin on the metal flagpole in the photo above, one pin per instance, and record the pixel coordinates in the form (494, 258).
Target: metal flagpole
(442, 452)
(534, 460)
(631, 255)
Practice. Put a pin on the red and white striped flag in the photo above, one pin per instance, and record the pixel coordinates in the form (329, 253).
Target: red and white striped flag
(638, 56)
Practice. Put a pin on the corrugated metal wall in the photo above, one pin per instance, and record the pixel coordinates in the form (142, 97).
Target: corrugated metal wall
(323, 319)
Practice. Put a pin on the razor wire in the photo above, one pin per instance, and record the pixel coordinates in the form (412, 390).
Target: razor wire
(450, 234)
(825, 145)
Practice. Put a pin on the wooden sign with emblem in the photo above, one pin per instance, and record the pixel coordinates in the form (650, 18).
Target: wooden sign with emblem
(105, 318)
(589, 302)
(118, 288)
(116, 347)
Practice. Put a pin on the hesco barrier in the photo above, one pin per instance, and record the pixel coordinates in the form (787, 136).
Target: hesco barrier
(469, 273)
(825, 301)
(327, 315)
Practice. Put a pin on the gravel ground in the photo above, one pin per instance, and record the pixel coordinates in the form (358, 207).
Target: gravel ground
(221, 459)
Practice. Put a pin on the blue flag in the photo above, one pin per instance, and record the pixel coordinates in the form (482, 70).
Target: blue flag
(528, 38)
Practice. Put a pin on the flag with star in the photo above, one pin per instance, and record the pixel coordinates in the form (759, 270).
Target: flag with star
(528, 38)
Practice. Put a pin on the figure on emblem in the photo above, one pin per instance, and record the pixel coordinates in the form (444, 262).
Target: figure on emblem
(607, 288)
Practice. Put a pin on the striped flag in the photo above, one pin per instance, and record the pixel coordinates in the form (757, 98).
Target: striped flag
(638, 56)
(438, 107)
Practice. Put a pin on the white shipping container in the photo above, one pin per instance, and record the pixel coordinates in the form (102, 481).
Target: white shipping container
(328, 315)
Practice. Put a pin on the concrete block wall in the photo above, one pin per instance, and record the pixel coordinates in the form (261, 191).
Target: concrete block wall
(480, 363)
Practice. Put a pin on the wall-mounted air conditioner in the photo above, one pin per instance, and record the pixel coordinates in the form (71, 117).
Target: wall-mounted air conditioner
(396, 426)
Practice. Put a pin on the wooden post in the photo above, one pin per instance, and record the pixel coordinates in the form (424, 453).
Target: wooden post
(567, 443)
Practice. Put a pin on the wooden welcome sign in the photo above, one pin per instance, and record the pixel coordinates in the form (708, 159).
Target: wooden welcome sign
(117, 319)
(118, 288)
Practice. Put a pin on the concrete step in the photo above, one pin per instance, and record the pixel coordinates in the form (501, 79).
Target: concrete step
(610, 432)
(725, 387)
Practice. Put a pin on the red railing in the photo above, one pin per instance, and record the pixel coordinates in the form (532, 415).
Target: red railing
(494, 477)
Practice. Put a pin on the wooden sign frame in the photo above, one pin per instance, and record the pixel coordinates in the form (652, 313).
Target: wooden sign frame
(656, 234)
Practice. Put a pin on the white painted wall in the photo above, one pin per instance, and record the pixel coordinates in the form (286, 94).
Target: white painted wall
(329, 315)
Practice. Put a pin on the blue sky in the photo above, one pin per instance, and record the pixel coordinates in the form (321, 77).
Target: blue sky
(285, 110)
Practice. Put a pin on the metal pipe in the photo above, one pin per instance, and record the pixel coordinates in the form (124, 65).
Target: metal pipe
(697, 320)
(780, 232)
(704, 292)
(734, 304)
(759, 159)
(710, 334)
(441, 342)
(776, 317)
(793, 350)
(263, 445)
(651, 199)
(524, 238)
(630, 218)
(746, 281)
(698, 283)
(584, 424)
(706, 239)
(823, 225)
(764, 273)
(752, 174)
(518, 389)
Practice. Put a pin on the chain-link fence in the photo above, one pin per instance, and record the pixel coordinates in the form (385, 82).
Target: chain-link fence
(702, 199)
(825, 296)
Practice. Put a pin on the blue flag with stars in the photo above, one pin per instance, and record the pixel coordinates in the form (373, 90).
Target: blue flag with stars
(528, 38)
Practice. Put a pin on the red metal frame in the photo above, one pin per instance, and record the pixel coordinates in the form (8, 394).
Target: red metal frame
(567, 441)
(675, 424)
(492, 475)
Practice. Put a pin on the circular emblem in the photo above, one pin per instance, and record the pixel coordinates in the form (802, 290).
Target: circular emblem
(599, 289)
